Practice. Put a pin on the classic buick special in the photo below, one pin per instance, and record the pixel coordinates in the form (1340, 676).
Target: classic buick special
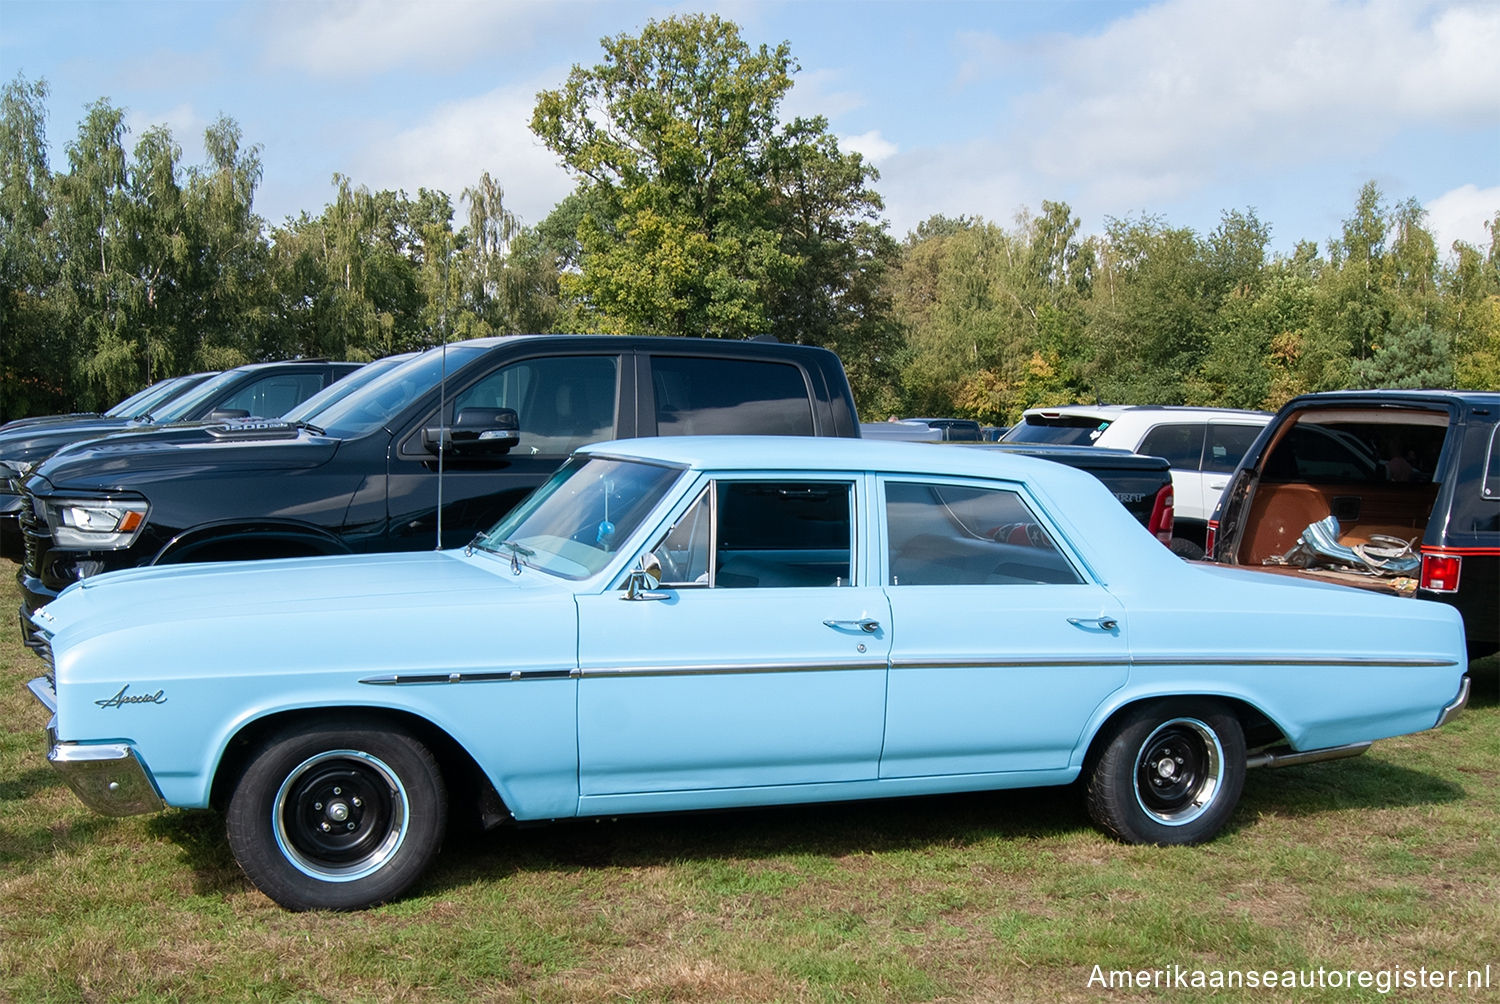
(707, 623)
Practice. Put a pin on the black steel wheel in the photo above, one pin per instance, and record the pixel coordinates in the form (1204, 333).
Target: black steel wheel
(337, 818)
(1170, 772)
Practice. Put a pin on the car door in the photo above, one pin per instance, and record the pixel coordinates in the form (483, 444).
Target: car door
(759, 661)
(1002, 645)
(1227, 443)
(562, 401)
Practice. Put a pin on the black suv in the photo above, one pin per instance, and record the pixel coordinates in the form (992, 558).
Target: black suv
(257, 390)
(425, 454)
(1419, 466)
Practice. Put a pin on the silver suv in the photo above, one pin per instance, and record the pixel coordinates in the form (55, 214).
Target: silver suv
(1203, 445)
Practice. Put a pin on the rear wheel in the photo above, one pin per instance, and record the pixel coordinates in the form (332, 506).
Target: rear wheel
(1170, 772)
(337, 818)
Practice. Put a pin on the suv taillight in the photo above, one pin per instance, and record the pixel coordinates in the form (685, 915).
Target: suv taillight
(1210, 538)
(1162, 517)
(1440, 572)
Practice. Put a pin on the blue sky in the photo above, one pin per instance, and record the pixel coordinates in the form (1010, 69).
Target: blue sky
(1180, 109)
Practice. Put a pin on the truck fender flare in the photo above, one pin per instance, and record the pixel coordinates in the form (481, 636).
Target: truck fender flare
(314, 539)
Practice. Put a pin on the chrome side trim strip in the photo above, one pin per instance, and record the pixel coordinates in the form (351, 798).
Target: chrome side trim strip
(602, 672)
(1225, 661)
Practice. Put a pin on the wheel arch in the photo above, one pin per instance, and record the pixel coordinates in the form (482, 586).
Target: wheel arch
(461, 772)
(221, 540)
(1259, 729)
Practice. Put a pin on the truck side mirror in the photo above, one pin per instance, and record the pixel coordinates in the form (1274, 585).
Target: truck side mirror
(475, 432)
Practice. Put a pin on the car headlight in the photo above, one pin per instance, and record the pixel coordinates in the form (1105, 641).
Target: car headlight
(96, 524)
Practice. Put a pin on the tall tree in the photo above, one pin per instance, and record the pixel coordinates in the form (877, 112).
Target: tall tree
(29, 323)
(702, 213)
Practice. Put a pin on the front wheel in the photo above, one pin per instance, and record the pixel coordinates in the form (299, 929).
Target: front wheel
(1170, 772)
(337, 818)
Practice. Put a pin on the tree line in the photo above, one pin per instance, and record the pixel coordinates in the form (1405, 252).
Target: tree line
(698, 211)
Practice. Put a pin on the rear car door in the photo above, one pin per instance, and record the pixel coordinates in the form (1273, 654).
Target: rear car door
(1002, 645)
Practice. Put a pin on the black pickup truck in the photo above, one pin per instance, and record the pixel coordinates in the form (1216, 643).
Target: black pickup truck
(1339, 484)
(1142, 484)
(494, 416)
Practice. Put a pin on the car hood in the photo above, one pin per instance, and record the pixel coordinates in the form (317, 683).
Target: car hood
(121, 462)
(193, 616)
(32, 442)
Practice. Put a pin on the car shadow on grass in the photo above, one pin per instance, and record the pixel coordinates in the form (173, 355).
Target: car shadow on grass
(830, 830)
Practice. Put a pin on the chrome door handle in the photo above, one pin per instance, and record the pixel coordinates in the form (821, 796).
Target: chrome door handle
(865, 624)
(1102, 623)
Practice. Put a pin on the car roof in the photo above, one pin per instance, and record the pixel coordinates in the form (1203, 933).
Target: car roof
(1491, 398)
(1115, 411)
(809, 453)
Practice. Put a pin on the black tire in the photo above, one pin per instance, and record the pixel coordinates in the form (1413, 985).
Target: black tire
(1186, 549)
(337, 817)
(1169, 772)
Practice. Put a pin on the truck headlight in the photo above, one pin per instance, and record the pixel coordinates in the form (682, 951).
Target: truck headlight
(96, 524)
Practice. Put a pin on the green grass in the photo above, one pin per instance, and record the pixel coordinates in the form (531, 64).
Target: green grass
(1389, 860)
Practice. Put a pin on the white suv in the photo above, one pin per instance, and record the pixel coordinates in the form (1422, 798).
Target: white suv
(1203, 445)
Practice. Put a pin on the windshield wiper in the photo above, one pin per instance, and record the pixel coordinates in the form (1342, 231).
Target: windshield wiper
(310, 428)
(517, 551)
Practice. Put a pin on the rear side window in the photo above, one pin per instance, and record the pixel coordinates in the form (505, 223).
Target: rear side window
(1227, 445)
(950, 535)
(698, 396)
(1181, 445)
(1061, 430)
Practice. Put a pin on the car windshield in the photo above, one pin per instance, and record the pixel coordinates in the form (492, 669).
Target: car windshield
(573, 525)
(185, 404)
(378, 402)
(1059, 430)
(344, 386)
(143, 400)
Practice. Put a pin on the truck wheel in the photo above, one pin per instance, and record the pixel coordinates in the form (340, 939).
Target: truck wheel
(1170, 772)
(337, 818)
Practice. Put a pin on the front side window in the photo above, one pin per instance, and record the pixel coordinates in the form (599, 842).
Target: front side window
(273, 395)
(761, 535)
(562, 402)
(707, 396)
(948, 535)
(1181, 445)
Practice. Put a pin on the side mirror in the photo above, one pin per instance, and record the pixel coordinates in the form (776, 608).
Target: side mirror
(475, 432)
(644, 578)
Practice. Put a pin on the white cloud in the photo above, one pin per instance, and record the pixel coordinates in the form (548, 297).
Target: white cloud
(874, 147)
(954, 181)
(1185, 93)
(183, 120)
(364, 37)
(459, 141)
(1461, 215)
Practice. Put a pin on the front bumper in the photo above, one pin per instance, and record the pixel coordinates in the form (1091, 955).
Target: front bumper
(108, 778)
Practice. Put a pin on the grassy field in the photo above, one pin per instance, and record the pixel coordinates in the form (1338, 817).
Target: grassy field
(1389, 863)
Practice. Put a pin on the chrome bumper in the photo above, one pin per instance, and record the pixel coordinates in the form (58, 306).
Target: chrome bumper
(1452, 710)
(108, 778)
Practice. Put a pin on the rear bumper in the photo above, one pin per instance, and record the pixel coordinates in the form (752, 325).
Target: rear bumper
(108, 778)
(1451, 711)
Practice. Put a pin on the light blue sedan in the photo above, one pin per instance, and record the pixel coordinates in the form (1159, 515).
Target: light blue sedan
(707, 623)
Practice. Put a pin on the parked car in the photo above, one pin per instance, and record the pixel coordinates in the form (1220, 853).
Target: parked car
(951, 430)
(1417, 470)
(137, 404)
(1143, 485)
(1203, 445)
(703, 623)
(259, 389)
(476, 425)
